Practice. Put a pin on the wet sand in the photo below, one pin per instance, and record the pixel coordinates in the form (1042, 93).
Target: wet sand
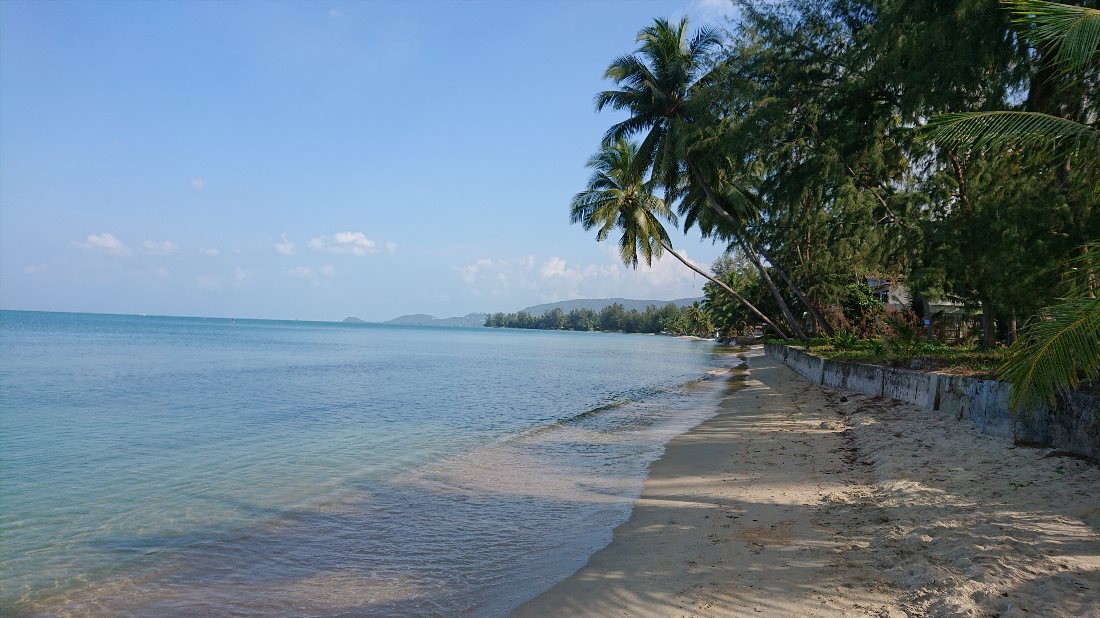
(798, 500)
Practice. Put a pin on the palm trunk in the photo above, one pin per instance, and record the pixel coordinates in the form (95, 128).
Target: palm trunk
(814, 311)
(728, 289)
(712, 201)
(989, 337)
(783, 307)
(1090, 278)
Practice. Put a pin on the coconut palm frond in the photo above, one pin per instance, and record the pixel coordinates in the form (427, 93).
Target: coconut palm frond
(1073, 31)
(629, 70)
(1002, 129)
(625, 129)
(618, 198)
(1056, 350)
(620, 99)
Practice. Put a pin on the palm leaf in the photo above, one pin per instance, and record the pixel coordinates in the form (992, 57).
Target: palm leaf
(629, 70)
(1004, 129)
(1056, 350)
(705, 38)
(1073, 32)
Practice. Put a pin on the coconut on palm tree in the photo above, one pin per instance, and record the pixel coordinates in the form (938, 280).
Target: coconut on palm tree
(619, 198)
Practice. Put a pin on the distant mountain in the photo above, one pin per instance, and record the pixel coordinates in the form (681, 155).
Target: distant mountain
(597, 304)
(423, 319)
(353, 321)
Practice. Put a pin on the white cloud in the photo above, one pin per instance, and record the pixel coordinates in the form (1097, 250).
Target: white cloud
(391, 248)
(556, 279)
(198, 184)
(284, 246)
(471, 272)
(209, 282)
(669, 272)
(555, 267)
(36, 269)
(353, 243)
(238, 278)
(159, 247)
(105, 243)
(149, 274)
(715, 12)
(241, 276)
(320, 276)
(210, 252)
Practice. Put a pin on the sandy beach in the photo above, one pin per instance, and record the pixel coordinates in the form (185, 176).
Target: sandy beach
(798, 500)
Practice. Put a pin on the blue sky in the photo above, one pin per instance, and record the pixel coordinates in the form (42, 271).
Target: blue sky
(311, 160)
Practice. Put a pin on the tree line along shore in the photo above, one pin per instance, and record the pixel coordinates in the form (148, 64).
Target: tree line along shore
(689, 320)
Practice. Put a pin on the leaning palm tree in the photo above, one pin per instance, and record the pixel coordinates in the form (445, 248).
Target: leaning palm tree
(1062, 343)
(659, 86)
(619, 198)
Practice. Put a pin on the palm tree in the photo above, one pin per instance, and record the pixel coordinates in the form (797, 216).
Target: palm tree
(618, 197)
(1062, 343)
(659, 87)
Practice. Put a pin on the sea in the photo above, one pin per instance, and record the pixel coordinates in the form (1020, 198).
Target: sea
(168, 466)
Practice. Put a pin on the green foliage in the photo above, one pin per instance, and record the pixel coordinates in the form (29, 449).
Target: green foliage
(657, 87)
(732, 318)
(844, 340)
(793, 137)
(1061, 344)
(860, 306)
(1059, 348)
(1010, 129)
(670, 319)
(618, 198)
(1073, 32)
(967, 359)
(901, 339)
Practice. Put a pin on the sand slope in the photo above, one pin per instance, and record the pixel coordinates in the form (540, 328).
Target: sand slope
(797, 500)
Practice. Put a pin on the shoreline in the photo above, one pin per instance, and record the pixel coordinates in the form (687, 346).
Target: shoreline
(796, 499)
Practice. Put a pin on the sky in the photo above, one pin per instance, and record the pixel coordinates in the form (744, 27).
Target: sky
(312, 160)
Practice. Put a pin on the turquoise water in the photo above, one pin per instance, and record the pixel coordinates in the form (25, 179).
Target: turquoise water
(182, 466)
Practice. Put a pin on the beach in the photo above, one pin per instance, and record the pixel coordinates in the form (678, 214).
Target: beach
(799, 500)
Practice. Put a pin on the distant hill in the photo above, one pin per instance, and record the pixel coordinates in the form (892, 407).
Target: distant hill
(353, 321)
(423, 319)
(597, 304)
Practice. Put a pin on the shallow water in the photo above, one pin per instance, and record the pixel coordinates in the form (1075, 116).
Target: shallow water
(176, 466)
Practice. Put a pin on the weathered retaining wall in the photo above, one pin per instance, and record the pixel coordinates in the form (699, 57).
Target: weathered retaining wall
(1073, 425)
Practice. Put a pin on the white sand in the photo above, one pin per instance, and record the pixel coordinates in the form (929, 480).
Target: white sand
(793, 502)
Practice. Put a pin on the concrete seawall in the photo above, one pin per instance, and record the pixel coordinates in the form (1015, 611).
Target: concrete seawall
(1073, 425)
